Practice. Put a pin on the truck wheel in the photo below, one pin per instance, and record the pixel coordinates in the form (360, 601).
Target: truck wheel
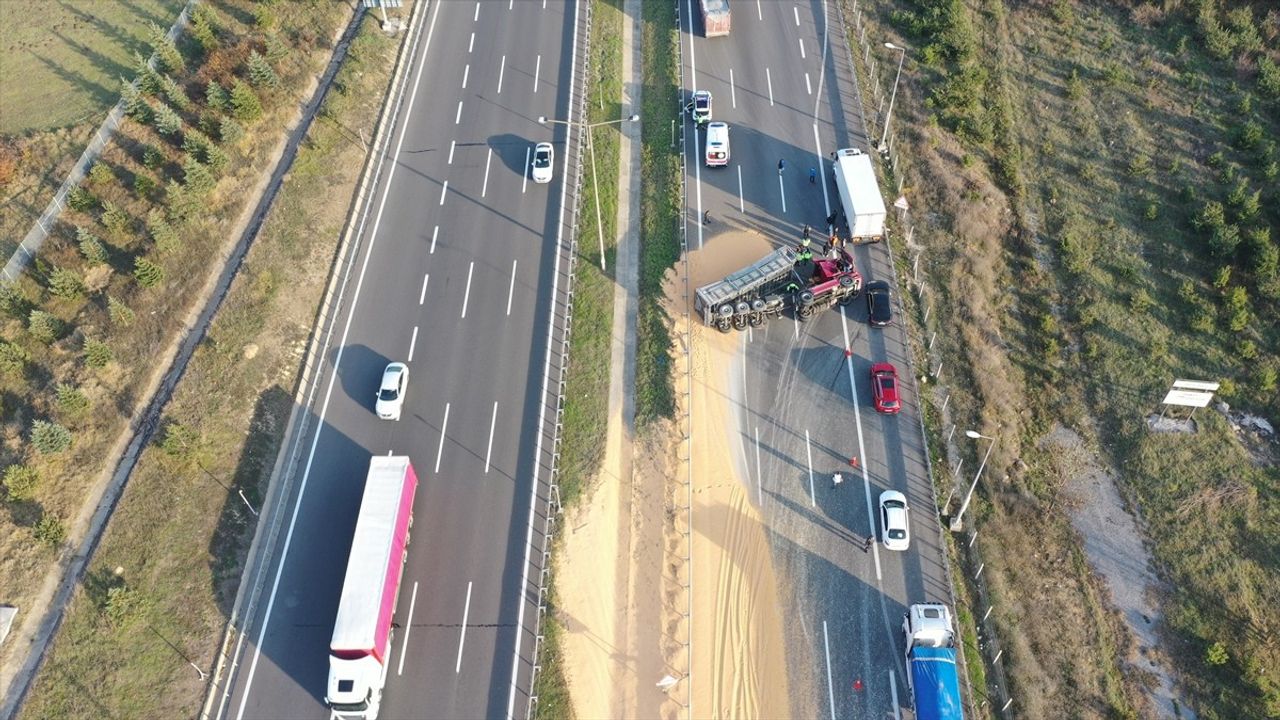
(806, 297)
(846, 281)
(805, 312)
(848, 298)
(724, 324)
(740, 322)
(757, 319)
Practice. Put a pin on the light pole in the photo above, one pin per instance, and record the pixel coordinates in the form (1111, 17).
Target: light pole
(957, 522)
(591, 149)
(892, 96)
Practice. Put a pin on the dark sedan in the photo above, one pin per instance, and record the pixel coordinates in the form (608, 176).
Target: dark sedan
(879, 307)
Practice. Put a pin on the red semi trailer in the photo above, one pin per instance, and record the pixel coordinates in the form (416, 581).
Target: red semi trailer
(360, 651)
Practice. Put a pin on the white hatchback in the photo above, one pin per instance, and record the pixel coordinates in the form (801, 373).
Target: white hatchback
(395, 380)
(544, 156)
(895, 531)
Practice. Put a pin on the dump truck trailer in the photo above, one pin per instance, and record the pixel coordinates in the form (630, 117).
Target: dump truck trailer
(715, 17)
(773, 284)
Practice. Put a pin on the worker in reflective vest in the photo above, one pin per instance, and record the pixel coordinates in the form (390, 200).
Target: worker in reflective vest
(804, 252)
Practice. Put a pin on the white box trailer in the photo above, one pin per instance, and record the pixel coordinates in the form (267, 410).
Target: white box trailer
(360, 651)
(859, 194)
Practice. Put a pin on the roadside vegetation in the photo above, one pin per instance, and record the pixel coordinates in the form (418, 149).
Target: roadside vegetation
(587, 385)
(1077, 264)
(61, 66)
(86, 329)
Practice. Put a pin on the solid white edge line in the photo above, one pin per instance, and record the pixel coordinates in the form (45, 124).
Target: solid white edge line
(502, 69)
(462, 637)
(466, 294)
(742, 203)
(511, 291)
(759, 484)
(546, 381)
(813, 497)
(484, 189)
(413, 342)
(404, 646)
(324, 408)
(434, 233)
(893, 689)
(817, 149)
(862, 460)
(524, 182)
(697, 165)
(444, 429)
(422, 296)
(493, 424)
(831, 688)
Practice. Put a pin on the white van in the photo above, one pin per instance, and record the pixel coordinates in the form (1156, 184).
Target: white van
(717, 144)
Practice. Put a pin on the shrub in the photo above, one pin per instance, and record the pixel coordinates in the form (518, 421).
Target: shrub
(12, 300)
(1244, 31)
(13, 359)
(1187, 291)
(1151, 212)
(143, 186)
(162, 233)
(1222, 278)
(180, 441)
(114, 218)
(122, 605)
(20, 482)
(81, 199)
(1237, 306)
(1249, 135)
(152, 158)
(66, 283)
(121, 314)
(49, 438)
(1139, 165)
(50, 530)
(277, 49)
(44, 327)
(1246, 350)
(97, 353)
(71, 402)
(174, 93)
(165, 49)
(1268, 77)
(1265, 379)
(230, 131)
(260, 71)
(244, 103)
(1244, 104)
(91, 248)
(1223, 241)
(196, 177)
(1141, 301)
(147, 273)
(216, 97)
(100, 174)
(1262, 254)
(264, 16)
(1216, 654)
(1271, 171)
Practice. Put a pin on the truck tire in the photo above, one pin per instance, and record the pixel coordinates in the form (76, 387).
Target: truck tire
(756, 320)
(724, 324)
(805, 297)
(740, 322)
(846, 281)
(804, 312)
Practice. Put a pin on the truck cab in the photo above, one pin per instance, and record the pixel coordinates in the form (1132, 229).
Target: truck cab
(930, 649)
(353, 686)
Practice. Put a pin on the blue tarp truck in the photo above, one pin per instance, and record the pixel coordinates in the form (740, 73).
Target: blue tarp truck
(929, 638)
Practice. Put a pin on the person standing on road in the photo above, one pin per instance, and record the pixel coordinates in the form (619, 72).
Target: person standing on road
(706, 217)
(867, 542)
(782, 164)
(813, 176)
(806, 231)
(836, 479)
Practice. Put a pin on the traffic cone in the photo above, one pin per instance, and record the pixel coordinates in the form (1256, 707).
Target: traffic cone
(857, 685)
(853, 461)
(848, 352)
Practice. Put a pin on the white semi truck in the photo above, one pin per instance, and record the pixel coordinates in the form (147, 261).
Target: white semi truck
(930, 648)
(859, 194)
(360, 651)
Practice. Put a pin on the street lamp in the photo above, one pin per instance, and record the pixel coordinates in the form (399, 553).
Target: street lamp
(957, 521)
(591, 148)
(892, 96)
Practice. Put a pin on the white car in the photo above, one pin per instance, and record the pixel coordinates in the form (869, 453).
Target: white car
(544, 156)
(895, 530)
(395, 379)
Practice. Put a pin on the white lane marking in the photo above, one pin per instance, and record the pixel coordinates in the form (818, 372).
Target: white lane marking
(796, 10)
(524, 182)
(422, 296)
(466, 73)
(443, 189)
(893, 689)
(466, 294)
(511, 4)
(404, 646)
(768, 78)
(453, 145)
(795, 327)
(434, 234)
(759, 484)
(782, 190)
(472, 45)
(807, 84)
(546, 383)
(476, 17)
(502, 69)
(511, 291)
(831, 688)
(733, 90)
(759, 12)
(457, 118)
(462, 638)
(413, 341)
(857, 421)
(444, 427)
(742, 203)
(802, 55)
(484, 188)
(537, 70)
(817, 149)
(324, 408)
(813, 497)
(493, 424)
(822, 71)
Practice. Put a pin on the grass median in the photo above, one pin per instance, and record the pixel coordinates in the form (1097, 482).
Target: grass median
(158, 592)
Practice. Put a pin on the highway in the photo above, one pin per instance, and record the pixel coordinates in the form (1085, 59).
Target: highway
(782, 80)
(457, 271)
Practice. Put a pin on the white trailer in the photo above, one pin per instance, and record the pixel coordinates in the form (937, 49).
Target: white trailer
(859, 194)
(360, 651)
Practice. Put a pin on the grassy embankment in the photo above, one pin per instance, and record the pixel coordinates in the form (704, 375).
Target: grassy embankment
(58, 77)
(180, 532)
(1135, 221)
(587, 385)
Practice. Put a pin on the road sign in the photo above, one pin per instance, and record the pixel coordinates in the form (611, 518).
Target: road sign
(1187, 398)
(1196, 385)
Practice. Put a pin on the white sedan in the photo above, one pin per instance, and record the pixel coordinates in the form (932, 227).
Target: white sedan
(395, 379)
(544, 156)
(895, 532)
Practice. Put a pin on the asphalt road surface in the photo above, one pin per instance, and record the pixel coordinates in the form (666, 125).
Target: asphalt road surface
(455, 277)
(782, 81)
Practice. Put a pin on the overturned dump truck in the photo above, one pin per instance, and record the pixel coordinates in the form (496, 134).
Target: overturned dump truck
(776, 282)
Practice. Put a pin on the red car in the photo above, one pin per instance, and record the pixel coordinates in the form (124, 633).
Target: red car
(884, 388)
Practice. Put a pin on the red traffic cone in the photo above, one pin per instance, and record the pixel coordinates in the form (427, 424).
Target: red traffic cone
(848, 352)
(853, 461)
(857, 685)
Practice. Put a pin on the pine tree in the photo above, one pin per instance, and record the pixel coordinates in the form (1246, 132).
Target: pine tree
(66, 283)
(245, 104)
(174, 93)
(230, 131)
(165, 49)
(162, 233)
(148, 78)
(121, 314)
(196, 177)
(168, 122)
(260, 71)
(214, 96)
(135, 105)
(147, 273)
(94, 252)
(204, 28)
